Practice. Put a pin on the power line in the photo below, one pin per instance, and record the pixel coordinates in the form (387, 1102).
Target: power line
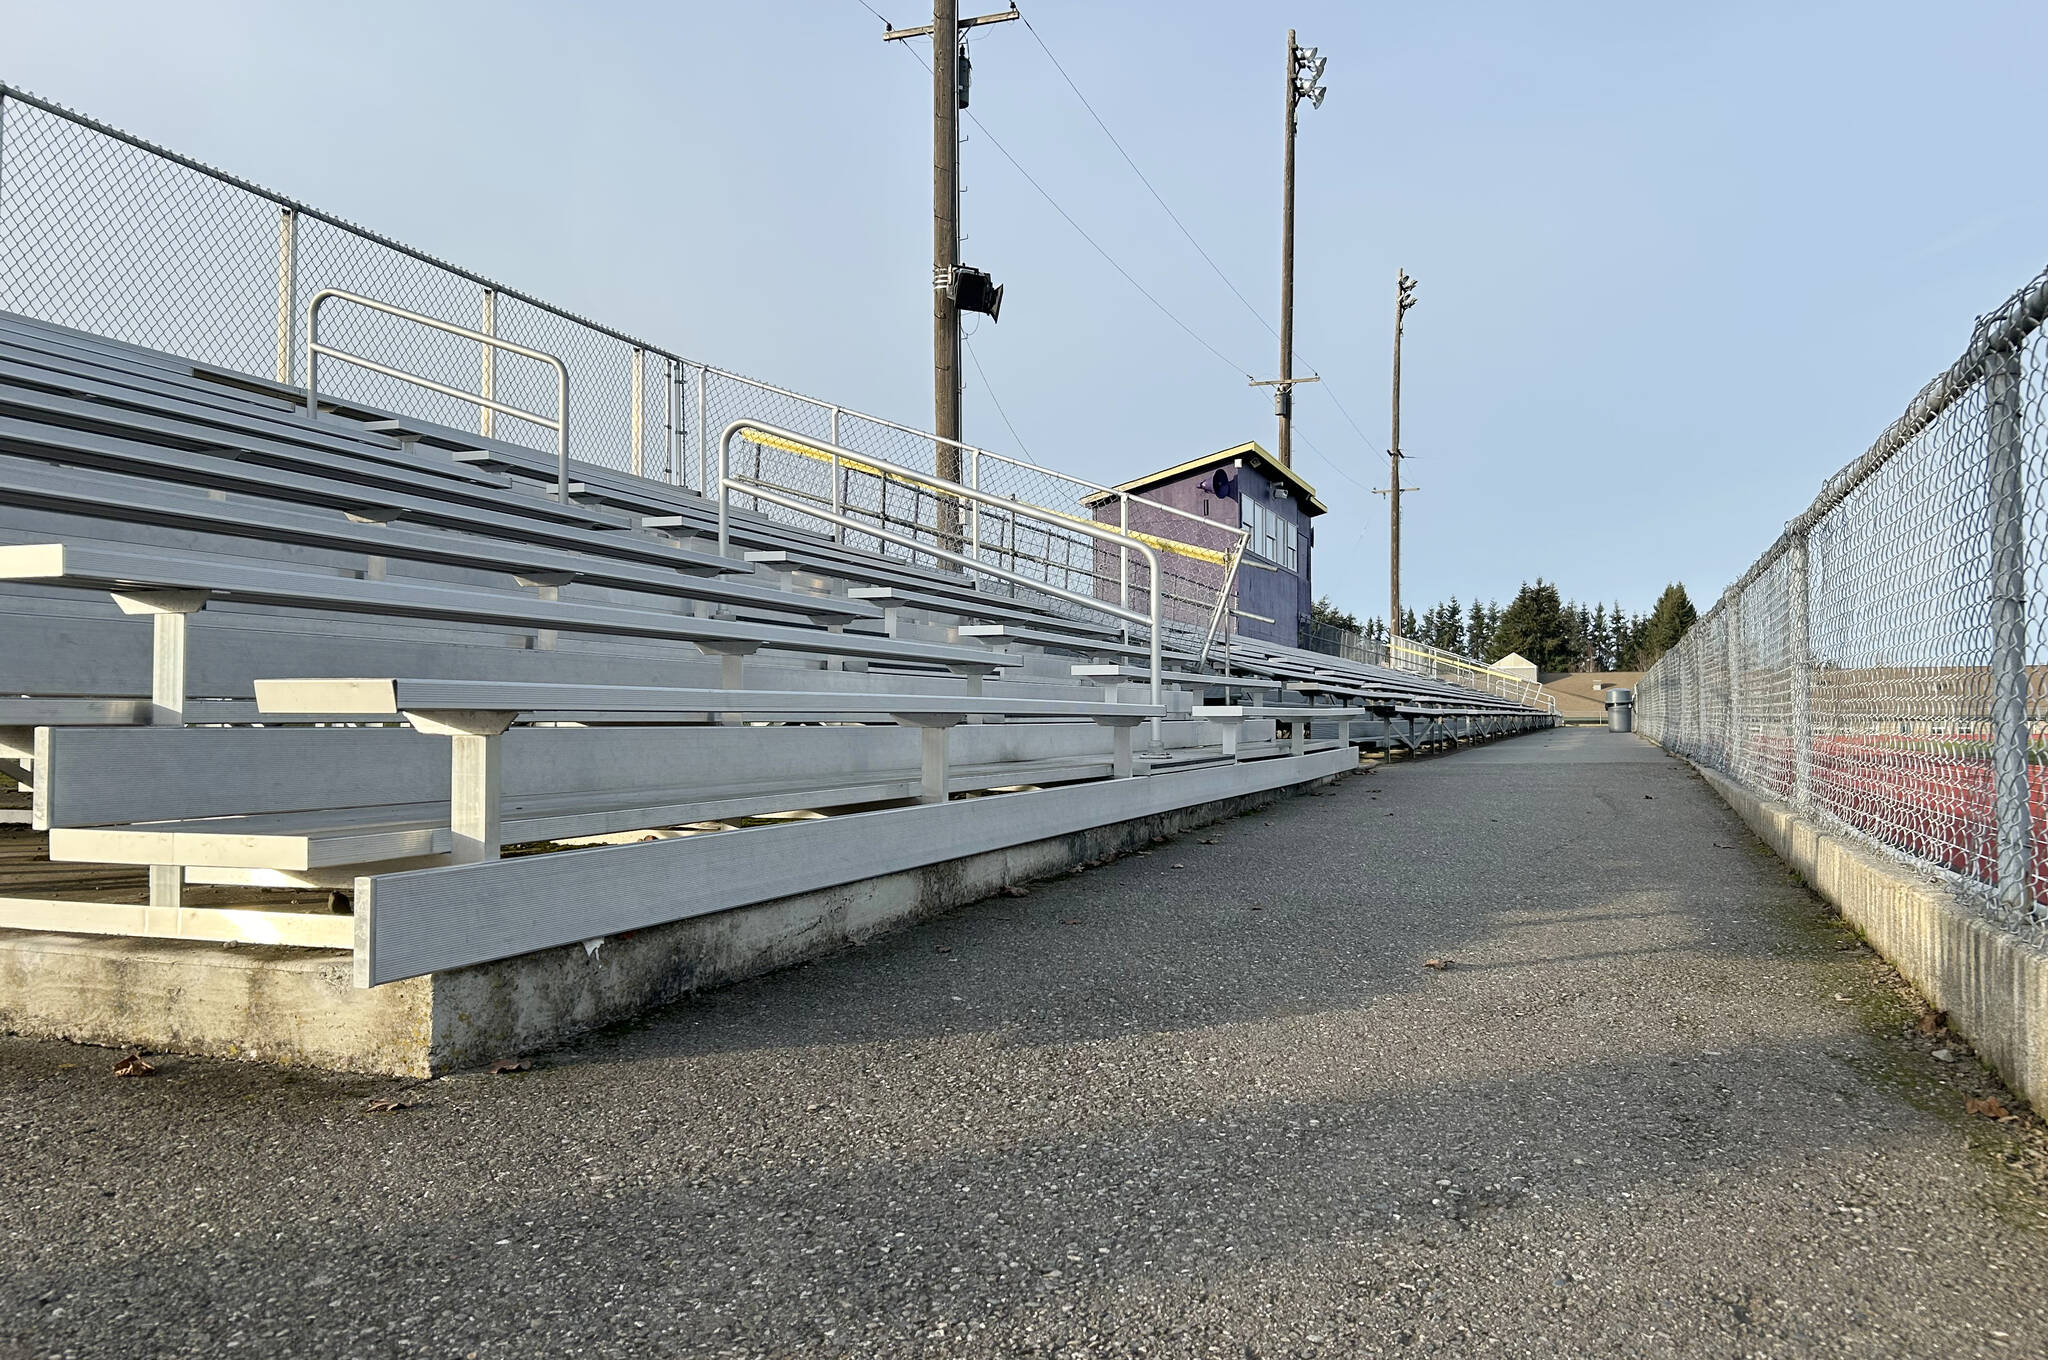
(989, 387)
(1079, 230)
(1167, 208)
(1111, 260)
(1156, 198)
(1334, 465)
(1129, 278)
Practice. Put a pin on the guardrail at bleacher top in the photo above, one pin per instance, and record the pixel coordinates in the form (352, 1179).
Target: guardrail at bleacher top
(1880, 667)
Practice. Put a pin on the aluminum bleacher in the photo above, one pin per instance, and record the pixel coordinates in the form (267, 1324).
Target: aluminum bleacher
(638, 726)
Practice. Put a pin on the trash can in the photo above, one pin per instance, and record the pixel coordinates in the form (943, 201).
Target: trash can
(1621, 709)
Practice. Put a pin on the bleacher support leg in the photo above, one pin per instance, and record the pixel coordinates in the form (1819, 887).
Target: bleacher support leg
(932, 742)
(474, 766)
(168, 612)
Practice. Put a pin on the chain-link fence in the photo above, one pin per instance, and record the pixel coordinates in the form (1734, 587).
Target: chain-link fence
(109, 234)
(1883, 667)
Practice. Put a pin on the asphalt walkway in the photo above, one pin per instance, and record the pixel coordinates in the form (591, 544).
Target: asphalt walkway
(1204, 1101)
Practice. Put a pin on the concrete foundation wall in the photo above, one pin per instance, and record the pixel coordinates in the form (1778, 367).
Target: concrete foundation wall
(1993, 986)
(301, 1007)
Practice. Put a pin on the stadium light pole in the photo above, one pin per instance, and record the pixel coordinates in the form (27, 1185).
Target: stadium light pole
(1404, 298)
(1304, 81)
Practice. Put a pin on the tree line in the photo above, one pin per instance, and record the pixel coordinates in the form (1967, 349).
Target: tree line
(1554, 633)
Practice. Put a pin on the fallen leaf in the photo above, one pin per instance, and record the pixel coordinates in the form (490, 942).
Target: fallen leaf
(1014, 891)
(135, 1065)
(1991, 1107)
(504, 1065)
(1211, 840)
(1933, 1021)
(942, 949)
(388, 1104)
(1070, 920)
(1438, 964)
(1177, 866)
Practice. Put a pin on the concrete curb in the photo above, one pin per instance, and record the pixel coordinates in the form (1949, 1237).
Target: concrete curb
(299, 1007)
(1993, 986)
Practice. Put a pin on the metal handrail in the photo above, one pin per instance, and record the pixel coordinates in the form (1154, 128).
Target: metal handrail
(974, 454)
(727, 483)
(314, 349)
(1505, 685)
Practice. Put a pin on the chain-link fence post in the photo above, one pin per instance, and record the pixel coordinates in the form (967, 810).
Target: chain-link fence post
(487, 377)
(287, 290)
(1799, 671)
(672, 412)
(838, 481)
(2010, 787)
(1732, 631)
(637, 464)
(703, 447)
(1702, 677)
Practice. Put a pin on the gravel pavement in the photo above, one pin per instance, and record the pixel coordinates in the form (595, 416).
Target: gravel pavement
(1204, 1101)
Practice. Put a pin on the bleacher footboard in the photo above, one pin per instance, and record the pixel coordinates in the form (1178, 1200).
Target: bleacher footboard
(424, 921)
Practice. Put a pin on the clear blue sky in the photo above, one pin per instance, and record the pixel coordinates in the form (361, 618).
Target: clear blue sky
(1677, 263)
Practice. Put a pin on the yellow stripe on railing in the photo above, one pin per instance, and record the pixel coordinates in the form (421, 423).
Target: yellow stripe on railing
(1149, 540)
(1442, 658)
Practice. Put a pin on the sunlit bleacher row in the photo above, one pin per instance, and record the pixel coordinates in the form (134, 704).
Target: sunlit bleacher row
(357, 681)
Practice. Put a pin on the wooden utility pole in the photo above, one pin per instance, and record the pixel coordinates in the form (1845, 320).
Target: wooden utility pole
(1404, 298)
(944, 32)
(946, 235)
(1304, 72)
(1283, 393)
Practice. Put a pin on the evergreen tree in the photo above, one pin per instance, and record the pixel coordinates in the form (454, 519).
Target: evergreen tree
(1476, 639)
(1535, 625)
(1666, 625)
(1602, 640)
(1408, 629)
(1325, 611)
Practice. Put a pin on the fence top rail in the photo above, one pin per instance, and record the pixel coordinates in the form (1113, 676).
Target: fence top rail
(304, 210)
